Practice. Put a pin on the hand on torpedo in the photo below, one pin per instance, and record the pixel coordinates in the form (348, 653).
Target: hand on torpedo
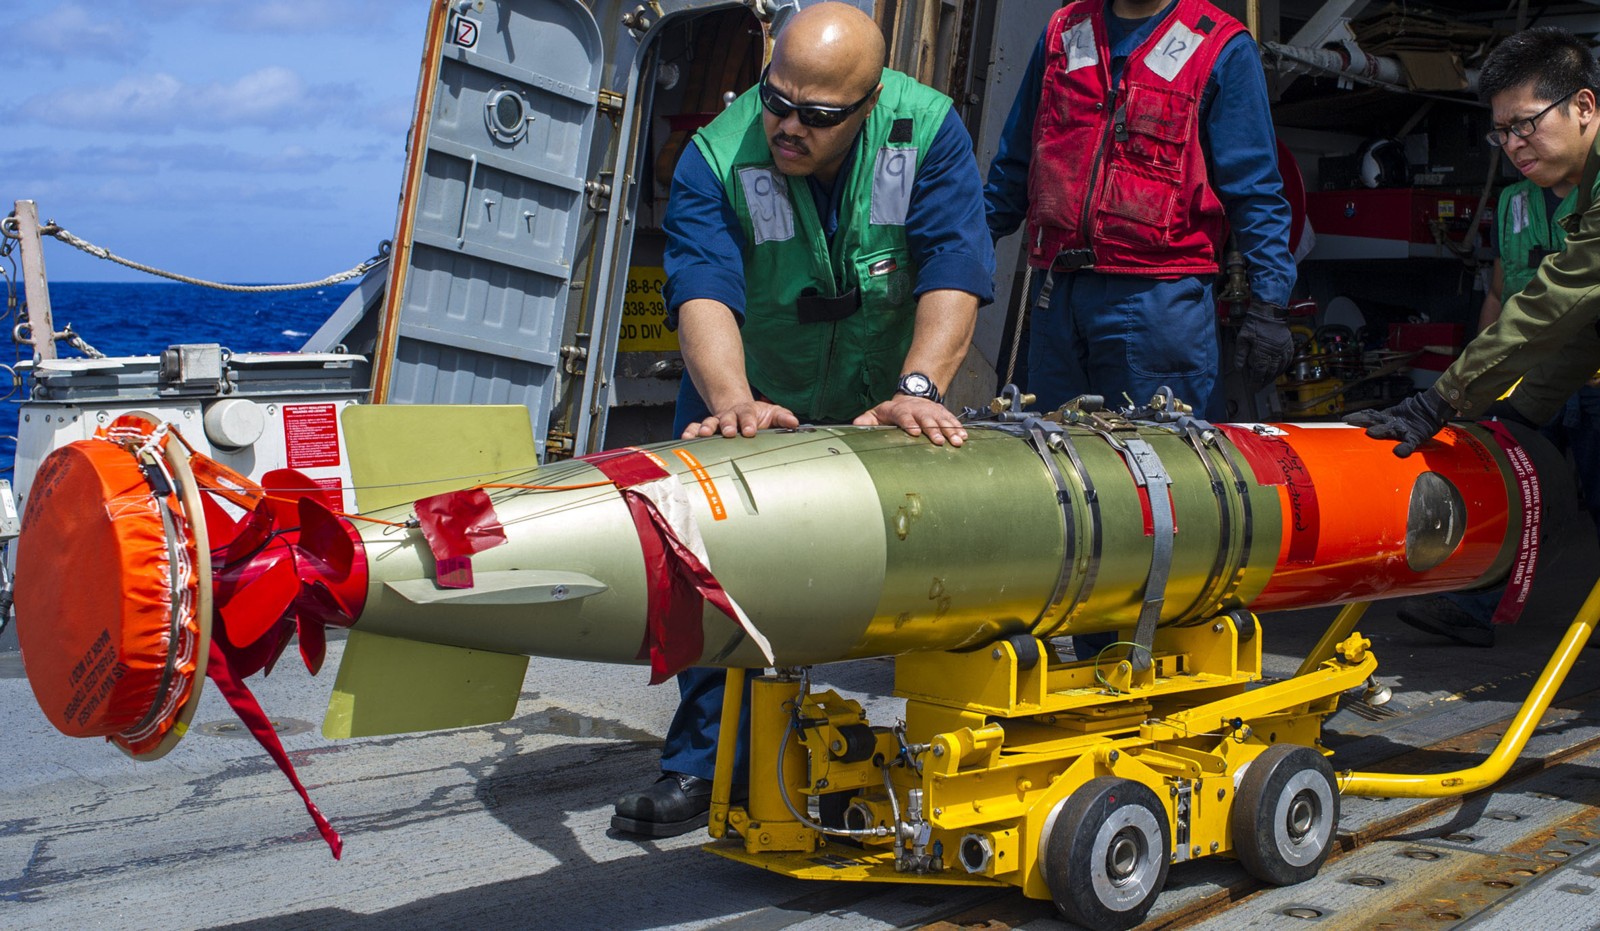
(916, 416)
(1413, 421)
(744, 417)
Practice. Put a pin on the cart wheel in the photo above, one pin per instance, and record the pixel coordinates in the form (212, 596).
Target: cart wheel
(1284, 814)
(1106, 854)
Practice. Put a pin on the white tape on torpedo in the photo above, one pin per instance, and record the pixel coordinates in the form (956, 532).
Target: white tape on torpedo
(671, 499)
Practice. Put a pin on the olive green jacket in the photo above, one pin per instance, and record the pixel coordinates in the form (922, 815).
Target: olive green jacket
(1547, 333)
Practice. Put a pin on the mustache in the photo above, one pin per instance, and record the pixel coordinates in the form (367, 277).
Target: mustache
(791, 142)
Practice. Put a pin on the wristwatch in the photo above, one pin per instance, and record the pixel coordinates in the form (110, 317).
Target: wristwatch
(919, 385)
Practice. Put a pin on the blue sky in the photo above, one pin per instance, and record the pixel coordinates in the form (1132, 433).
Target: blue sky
(238, 140)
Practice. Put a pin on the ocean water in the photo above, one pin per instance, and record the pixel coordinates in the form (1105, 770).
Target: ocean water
(143, 318)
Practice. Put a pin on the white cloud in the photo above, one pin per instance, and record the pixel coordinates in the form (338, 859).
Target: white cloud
(288, 17)
(71, 31)
(295, 17)
(137, 102)
(260, 97)
(70, 200)
(34, 164)
(126, 117)
(272, 97)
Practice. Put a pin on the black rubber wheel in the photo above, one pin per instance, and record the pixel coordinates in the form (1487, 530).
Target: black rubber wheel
(1285, 814)
(1027, 649)
(1106, 854)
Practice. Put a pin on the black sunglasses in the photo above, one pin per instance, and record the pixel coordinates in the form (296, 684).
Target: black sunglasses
(816, 116)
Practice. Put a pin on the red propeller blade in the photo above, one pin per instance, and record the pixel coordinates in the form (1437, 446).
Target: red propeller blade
(313, 643)
(324, 538)
(251, 609)
(287, 486)
(221, 528)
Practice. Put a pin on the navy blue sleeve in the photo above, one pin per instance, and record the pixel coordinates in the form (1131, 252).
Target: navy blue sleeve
(704, 255)
(1006, 195)
(944, 223)
(1241, 149)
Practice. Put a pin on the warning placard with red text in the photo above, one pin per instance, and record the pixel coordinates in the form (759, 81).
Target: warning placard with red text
(311, 435)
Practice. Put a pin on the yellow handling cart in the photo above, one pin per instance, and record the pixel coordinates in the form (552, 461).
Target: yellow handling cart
(1077, 782)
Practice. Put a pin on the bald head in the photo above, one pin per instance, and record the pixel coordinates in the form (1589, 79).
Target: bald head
(828, 57)
(832, 50)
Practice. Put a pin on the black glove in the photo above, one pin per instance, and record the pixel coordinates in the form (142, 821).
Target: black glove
(1413, 421)
(1265, 347)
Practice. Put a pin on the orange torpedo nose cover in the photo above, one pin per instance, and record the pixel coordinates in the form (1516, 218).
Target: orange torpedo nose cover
(106, 597)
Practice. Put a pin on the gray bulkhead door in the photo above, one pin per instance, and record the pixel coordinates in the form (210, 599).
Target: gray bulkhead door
(494, 189)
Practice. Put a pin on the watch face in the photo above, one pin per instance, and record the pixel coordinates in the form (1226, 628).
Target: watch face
(916, 384)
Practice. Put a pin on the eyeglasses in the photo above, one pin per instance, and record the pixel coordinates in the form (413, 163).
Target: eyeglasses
(1522, 129)
(814, 115)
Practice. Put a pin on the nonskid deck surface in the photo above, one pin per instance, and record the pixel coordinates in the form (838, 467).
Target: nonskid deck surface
(507, 825)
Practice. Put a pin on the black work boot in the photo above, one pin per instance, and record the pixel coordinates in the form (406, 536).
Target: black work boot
(1439, 615)
(676, 804)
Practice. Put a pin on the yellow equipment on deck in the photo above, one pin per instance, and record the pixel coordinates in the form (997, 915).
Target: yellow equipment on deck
(1080, 782)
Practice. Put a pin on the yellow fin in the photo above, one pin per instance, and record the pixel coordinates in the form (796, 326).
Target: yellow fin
(402, 452)
(391, 686)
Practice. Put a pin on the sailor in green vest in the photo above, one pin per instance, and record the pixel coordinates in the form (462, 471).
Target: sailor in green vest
(826, 257)
(1528, 229)
(1541, 318)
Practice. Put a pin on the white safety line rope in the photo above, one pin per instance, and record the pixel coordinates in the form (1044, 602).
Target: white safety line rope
(101, 252)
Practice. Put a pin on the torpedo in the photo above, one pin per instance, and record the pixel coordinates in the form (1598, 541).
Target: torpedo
(785, 550)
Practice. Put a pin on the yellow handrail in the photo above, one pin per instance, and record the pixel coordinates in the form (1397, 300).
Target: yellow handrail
(1490, 771)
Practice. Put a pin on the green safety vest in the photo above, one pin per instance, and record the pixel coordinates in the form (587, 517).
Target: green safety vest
(1528, 233)
(827, 371)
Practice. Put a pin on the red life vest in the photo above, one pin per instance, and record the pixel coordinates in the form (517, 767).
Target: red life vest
(1119, 172)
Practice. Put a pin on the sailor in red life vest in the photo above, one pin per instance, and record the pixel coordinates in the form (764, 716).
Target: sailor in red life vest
(1142, 133)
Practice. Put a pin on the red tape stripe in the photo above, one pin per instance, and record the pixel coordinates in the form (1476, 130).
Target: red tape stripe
(628, 467)
(678, 583)
(673, 637)
(679, 586)
(1275, 462)
(244, 704)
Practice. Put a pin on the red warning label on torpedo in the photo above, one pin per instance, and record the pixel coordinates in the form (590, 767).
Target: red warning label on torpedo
(1276, 463)
(1520, 582)
(311, 435)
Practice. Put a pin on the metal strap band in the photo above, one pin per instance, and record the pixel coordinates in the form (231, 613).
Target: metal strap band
(1041, 444)
(1149, 474)
(1247, 528)
(1091, 566)
(1218, 577)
